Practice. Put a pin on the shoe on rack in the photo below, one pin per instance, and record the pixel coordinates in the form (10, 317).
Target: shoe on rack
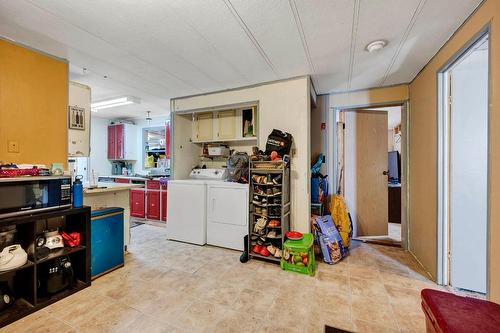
(257, 249)
(258, 190)
(258, 210)
(269, 179)
(263, 211)
(256, 178)
(272, 234)
(274, 223)
(278, 253)
(269, 191)
(272, 249)
(277, 179)
(276, 191)
(263, 201)
(264, 252)
(256, 200)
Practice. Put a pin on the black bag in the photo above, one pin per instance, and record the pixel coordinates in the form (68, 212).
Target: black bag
(237, 168)
(279, 141)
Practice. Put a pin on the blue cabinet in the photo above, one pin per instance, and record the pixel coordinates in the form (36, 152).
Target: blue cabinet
(106, 248)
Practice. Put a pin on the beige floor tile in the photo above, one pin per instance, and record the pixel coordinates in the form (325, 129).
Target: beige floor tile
(169, 286)
(373, 309)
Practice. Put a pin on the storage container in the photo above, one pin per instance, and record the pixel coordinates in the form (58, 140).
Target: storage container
(298, 255)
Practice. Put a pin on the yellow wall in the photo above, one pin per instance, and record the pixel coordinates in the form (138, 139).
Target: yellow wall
(33, 105)
(423, 147)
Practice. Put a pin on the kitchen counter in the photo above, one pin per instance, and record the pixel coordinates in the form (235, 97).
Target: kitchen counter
(110, 187)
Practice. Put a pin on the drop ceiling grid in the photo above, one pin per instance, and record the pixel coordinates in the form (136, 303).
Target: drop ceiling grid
(327, 28)
(428, 35)
(132, 32)
(217, 25)
(272, 24)
(369, 68)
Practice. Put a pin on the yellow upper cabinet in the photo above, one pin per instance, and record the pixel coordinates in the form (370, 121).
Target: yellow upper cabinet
(226, 121)
(203, 127)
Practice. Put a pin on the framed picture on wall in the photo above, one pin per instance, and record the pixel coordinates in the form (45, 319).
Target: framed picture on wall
(76, 118)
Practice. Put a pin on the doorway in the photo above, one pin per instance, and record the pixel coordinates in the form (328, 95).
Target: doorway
(369, 162)
(463, 169)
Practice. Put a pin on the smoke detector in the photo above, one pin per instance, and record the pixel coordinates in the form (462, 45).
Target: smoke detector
(376, 45)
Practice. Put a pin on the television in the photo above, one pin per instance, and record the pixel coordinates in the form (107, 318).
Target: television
(394, 162)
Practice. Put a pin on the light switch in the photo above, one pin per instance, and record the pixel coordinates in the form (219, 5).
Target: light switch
(13, 147)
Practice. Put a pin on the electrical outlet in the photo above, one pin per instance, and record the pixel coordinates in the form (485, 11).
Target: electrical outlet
(13, 147)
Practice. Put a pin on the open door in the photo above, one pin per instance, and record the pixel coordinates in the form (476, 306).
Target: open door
(365, 162)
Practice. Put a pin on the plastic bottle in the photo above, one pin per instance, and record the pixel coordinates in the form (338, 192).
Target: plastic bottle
(78, 192)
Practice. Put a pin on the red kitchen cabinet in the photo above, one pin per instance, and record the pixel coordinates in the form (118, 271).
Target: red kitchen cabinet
(167, 139)
(122, 180)
(163, 196)
(111, 142)
(119, 141)
(153, 205)
(122, 142)
(137, 203)
(153, 184)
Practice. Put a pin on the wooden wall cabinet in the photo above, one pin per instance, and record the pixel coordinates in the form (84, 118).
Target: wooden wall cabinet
(122, 142)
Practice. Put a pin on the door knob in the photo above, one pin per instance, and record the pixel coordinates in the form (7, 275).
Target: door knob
(385, 173)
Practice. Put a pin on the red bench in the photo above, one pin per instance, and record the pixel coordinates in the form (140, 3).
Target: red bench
(446, 312)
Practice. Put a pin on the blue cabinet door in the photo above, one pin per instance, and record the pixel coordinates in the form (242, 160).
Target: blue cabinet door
(106, 240)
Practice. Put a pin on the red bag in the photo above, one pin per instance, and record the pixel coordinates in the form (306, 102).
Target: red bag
(71, 240)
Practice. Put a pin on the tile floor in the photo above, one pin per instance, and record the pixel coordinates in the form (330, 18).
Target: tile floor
(168, 286)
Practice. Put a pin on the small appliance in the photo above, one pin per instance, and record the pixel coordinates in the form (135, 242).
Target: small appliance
(26, 195)
(56, 276)
(37, 250)
(218, 151)
(12, 257)
(53, 240)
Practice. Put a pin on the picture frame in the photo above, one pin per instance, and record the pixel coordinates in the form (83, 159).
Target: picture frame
(76, 117)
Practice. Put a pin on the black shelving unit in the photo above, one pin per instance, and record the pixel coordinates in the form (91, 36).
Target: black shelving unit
(24, 280)
(274, 169)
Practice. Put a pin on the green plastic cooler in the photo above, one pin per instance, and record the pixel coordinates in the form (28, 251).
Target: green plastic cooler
(298, 255)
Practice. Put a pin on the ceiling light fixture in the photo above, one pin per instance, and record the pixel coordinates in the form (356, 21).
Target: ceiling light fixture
(376, 46)
(111, 103)
(148, 118)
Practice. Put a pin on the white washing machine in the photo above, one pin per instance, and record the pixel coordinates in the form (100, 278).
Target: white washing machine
(227, 214)
(186, 207)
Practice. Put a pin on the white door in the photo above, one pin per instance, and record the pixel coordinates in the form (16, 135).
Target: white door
(469, 171)
(186, 211)
(227, 216)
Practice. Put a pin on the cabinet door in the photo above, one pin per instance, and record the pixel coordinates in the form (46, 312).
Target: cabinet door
(226, 121)
(119, 141)
(203, 127)
(153, 205)
(137, 203)
(111, 142)
(167, 139)
(163, 197)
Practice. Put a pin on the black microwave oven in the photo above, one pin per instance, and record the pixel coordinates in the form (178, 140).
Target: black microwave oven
(27, 195)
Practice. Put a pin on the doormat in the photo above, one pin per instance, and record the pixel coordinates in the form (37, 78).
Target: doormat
(329, 329)
(134, 224)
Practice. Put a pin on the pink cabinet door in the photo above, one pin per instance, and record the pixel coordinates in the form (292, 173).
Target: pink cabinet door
(120, 142)
(163, 195)
(137, 203)
(111, 142)
(153, 205)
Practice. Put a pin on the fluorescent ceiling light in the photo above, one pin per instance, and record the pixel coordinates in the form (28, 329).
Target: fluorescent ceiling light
(111, 103)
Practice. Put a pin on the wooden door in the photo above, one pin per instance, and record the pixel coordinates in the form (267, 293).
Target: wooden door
(153, 205)
(226, 121)
(204, 125)
(111, 142)
(365, 162)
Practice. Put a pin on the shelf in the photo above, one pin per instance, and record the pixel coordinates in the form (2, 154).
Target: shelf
(270, 257)
(19, 309)
(254, 138)
(46, 300)
(26, 265)
(61, 252)
(268, 216)
(259, 184)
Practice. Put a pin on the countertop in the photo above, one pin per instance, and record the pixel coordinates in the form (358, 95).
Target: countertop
(134, 177)
(110, 187)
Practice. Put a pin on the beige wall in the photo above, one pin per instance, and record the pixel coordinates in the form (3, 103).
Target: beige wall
(33, 106)
(319, 136)
(283, 105)
(423, 148)
(373, 96)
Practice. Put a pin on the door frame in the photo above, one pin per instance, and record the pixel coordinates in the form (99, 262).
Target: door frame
(443, 159)
(332, 145)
